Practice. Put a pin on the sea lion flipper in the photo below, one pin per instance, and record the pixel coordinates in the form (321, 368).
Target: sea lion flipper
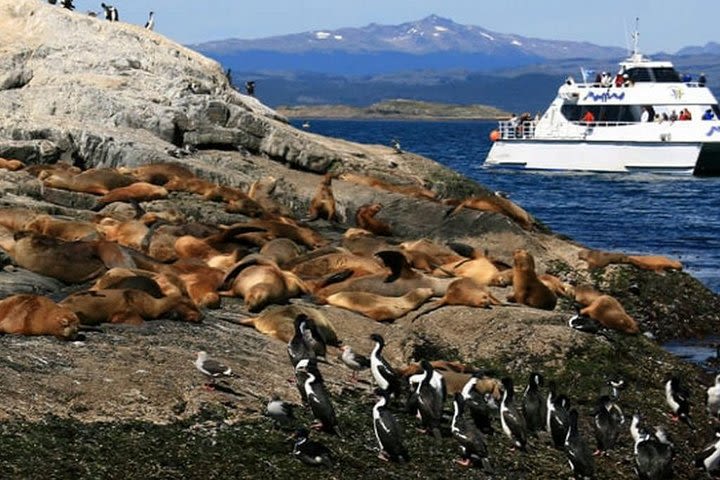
(335, 277)
(462, 249)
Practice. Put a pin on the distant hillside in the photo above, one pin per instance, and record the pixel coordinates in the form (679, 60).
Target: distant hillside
(399, 108)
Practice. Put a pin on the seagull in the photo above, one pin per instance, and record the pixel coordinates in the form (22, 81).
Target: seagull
(211, 368)
(150, 24)
(354, 361)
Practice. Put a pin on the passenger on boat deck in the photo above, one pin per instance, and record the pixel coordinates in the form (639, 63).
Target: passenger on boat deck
(626, 80)
(598, 80)
(702, 80)
(686, 78)
(708, 115)
(686, 115)
(588, 117)
(645, 115)
(658, 118)
(619, 80)
(673, 116)
(665, 117)
(606, 79)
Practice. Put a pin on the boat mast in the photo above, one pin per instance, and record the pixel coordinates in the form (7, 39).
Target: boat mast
(635, 55)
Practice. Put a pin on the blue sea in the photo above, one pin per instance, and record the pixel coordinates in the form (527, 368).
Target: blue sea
(676, 216)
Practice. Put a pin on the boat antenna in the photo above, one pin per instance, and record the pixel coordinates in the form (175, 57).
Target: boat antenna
(636, 39)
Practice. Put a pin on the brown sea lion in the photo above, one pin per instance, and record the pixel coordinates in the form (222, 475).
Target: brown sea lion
(585, 294)
(170, 285)
(456, 375)
(365, 219)
(480, 269)
(497, 204)
(69, 230)
(557, 286)
(210, 191)
(128, 306)
(278, 322)
(15, 219)
(466, 292)
(130, 233)
(378, 307)
(281, 229)
(188, 246)
(607, 311)
(281, 251)
(527, 288)
(655, 263)
(261, 283)
(70, 262)
(138, 192)
(598, 259)
(158, 173)
(42, 170)
(337, 261)
(503, 278)
(36, 315)
(98, 181)
(363, 243)
(261, 192)
(12, 165)
(426, 255)
(410, 190)
(322, 204)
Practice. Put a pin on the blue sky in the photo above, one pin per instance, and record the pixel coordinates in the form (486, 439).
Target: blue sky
(664, 26)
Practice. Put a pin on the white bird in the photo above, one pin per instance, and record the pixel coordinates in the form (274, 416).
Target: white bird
(354, 361)
(211, 368)
(712, 396)
(150, 24)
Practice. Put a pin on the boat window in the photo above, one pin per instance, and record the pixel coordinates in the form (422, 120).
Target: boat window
(607, 113)
(665, 75)
(639, 75)
(716, 110)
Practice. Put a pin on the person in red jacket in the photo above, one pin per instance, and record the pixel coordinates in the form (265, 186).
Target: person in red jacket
(588, 117)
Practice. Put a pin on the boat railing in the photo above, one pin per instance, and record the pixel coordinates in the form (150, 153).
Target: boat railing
(513, 130)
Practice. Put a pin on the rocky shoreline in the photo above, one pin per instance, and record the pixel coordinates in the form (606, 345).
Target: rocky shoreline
(127, 401)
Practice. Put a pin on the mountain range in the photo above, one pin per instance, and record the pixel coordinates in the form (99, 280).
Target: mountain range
(433, 59)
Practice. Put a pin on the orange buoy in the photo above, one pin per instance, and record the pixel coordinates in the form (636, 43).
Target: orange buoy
(494, 136)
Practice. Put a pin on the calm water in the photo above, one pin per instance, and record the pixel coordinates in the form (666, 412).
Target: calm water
(639, 213)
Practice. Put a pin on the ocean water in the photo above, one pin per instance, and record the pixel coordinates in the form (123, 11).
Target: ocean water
(670, 215)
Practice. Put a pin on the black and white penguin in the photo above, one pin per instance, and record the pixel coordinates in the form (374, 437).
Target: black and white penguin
(712, 398)
(426, 400)
(311, 452)
(384, 375)
(558, 416)
(479, 408)
(211, 368)
(354, 361)
(616, 385)
(301, 375)
(67, 4)
(280, 412)
(584, 324)
(437, 381)
(312, 337)
(111, 13)
(578, 453)
(513, 423)
(319, 400)
(150, 24)
(472, 444)
(653, 456)
(678, 399)
(606, 423)
(387, 431)
(533, 404)
(709, 458)
(297, 346)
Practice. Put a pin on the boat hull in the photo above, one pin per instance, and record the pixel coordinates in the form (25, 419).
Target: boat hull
(596, 156)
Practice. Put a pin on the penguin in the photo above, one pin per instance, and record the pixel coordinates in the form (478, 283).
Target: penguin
(297, 346)
(427, 402)
(472, 444)
(513, 423)
(437, 381)
(111, 12)
(67, 4)
(712, 398)
(709, 458)
(616, 385)
(301, 375)
(311, 452)
(150, 24)
(606, 423)
(533, 404)
(558, 418)
(678, 399)
(319, 400)
(480, 410)
(653, 457)
(354, 361)
(384, 375)
(387, 431)
(581, 461)
(280, 412)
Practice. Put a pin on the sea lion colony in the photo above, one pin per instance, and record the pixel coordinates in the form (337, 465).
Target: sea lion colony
(158, 265)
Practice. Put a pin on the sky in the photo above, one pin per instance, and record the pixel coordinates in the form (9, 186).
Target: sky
(664, 26)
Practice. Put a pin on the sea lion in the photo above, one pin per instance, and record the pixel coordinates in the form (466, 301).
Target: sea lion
(138, 192)
(655, 263)
(68, 230)
(527, 288)
(130, 233)
(322, 204)
(363, 243)
(378, 307)
(598, 259)
(557, 286)
(42, 170)
(503, 278)
(498, 204)
(158, 173)
(261, 192)
(480, 269)
(15, 219)
(128, 306)
(98, 181)
(201, 281)
(280, 229)
(607, 311)
(70, 262)
(278, 322)
(335, 262)
(426, 255)
(12, 165)
(281, 251)
(170, 285)
(456, 375)
(261, 283)
(210, 191)
(188, 246)
(365, 219)
(36, 315)
(466, 292)
(410, 190)
(585, 294)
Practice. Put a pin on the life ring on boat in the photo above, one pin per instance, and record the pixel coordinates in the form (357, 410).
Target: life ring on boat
(494, 136)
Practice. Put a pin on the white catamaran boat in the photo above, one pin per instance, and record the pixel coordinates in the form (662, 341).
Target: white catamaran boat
(645, 118)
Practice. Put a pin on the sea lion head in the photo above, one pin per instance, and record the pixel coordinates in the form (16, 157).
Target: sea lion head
(523, 260)
(68, 324)
(186, 310)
